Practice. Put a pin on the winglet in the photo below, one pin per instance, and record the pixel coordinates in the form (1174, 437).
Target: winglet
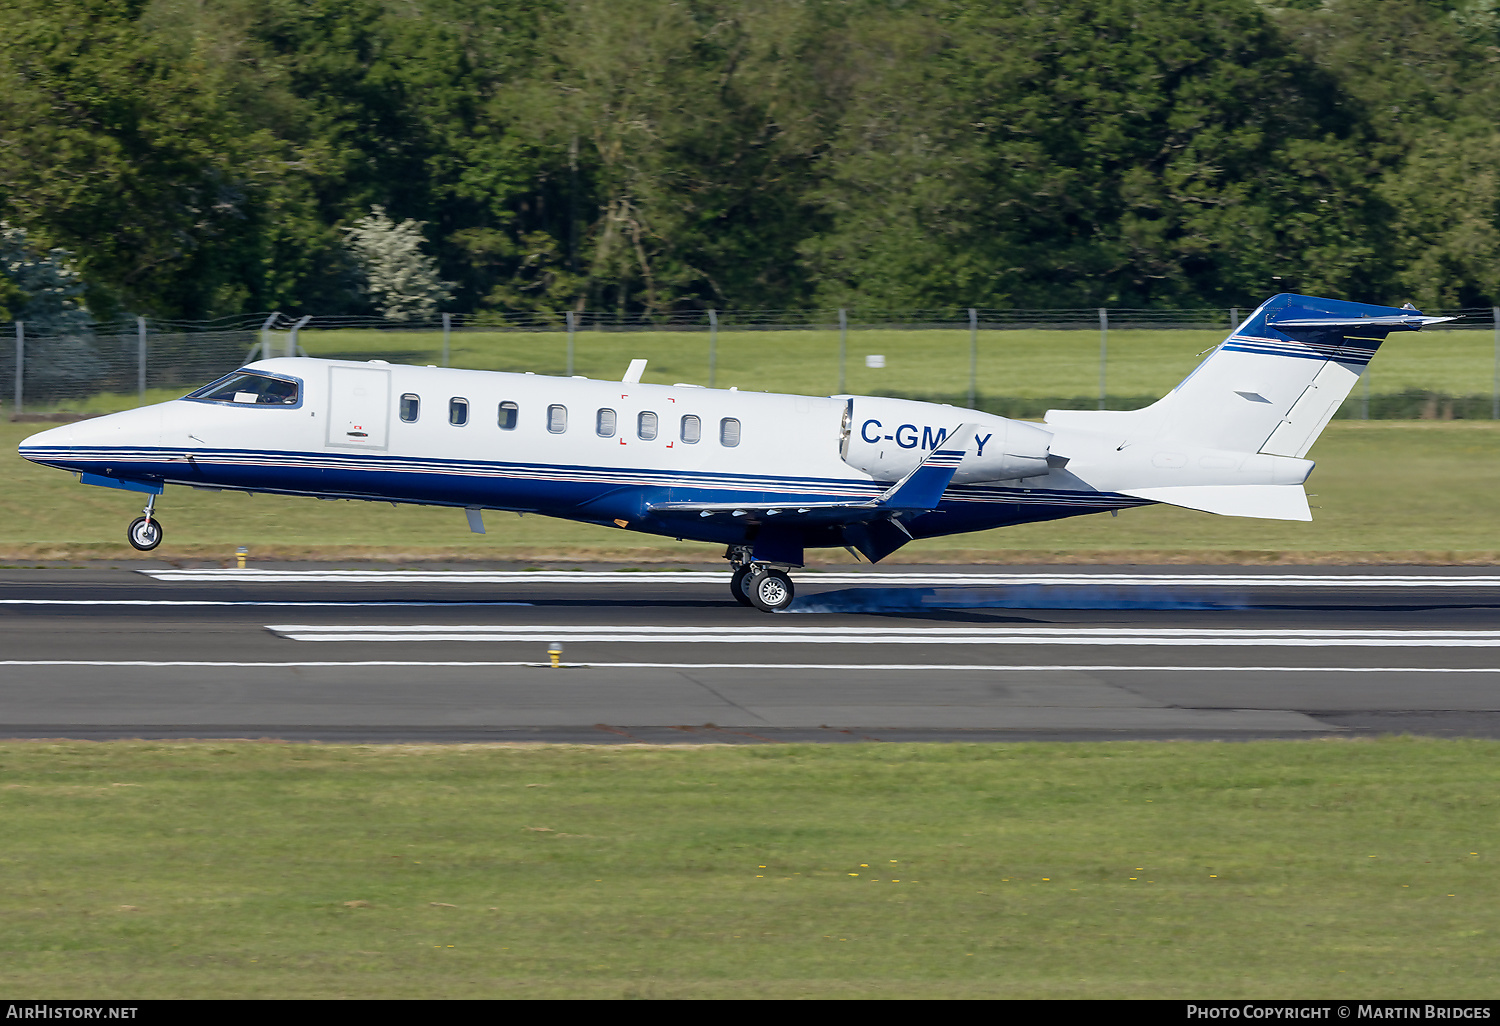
(923, 488)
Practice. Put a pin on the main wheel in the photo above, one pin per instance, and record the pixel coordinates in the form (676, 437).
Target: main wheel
(771, 591)
(144, 534)
(739, 584)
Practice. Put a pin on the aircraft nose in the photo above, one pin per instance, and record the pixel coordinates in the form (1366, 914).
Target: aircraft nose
(112, 440)
(34, 446)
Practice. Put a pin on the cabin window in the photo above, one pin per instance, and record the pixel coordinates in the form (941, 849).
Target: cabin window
(250, 389)
(692, 429)
(458, 412)
(411, 406)
(557, 419)
(509, 412)
(645, 426)
(604, 424)
(729, 432)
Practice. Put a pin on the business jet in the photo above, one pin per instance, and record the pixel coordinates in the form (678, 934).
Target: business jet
(769, 476)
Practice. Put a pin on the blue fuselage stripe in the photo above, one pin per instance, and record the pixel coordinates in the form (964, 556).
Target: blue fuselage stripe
(596, 494)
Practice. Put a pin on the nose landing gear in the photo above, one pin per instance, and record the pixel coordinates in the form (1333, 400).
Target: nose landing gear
(144, 533)
(765, 587)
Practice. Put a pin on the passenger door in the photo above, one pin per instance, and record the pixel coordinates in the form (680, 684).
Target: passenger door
(359, 407)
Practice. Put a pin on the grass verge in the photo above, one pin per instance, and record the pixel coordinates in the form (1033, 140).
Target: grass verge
(1383, 492)
(1287, 869)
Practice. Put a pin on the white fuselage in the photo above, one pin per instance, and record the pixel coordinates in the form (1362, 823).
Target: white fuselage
(627, 454)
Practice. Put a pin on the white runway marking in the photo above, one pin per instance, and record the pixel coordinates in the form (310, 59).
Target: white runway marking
(870, 579)
(1185, 636)
(852, 667)
(227, 602)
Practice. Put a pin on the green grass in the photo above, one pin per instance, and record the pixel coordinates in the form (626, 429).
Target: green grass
(1270, 869)
(1019, 373)
(1384, 491)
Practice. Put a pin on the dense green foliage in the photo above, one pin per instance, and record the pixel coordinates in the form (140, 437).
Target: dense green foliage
(204, 157)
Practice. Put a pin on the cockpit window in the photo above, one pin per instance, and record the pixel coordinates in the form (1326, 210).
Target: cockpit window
(251, 389)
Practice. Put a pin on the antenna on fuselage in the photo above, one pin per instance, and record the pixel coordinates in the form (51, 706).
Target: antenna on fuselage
(633, 375)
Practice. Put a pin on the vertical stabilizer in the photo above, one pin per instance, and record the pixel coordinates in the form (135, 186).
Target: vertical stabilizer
(1230, 439)
(1273, 385)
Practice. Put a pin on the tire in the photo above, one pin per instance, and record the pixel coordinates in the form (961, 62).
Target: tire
(771, 591)
(739, 585)
(144, 534)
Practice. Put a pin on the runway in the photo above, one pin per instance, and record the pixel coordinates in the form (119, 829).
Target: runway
(912, 653)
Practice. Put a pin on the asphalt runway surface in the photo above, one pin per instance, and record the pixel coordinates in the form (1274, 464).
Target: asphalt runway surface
(301, 652)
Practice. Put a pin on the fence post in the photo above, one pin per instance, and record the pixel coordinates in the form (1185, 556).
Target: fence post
(265, 335)
(713, 344)
(140, 360)
(447, 326)
(1495, 392)
(291, 338)
(973, 357)
(20, 363)
(1234, 317)
(843, 347)
(1103, 351)
(569, 315)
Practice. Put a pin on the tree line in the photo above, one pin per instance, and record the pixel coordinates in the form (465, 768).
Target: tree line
(201, 158)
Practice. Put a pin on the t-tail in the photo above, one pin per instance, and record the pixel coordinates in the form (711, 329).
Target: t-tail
(1230, 438)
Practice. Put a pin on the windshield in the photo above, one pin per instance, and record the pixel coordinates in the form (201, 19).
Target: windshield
(250, 388)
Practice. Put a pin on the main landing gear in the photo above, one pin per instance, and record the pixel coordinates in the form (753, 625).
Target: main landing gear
(145, 533)
(765, 587)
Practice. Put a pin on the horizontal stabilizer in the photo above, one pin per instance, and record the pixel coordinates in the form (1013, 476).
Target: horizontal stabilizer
(1264, 502)
(1408, 322)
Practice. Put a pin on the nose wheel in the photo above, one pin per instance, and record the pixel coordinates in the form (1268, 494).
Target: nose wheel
(144, 532)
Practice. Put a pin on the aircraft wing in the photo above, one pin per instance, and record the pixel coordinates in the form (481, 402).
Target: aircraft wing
(917, 492)
(796, 512)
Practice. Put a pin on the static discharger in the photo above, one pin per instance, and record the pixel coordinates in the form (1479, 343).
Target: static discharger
(554, 652)
(239, 556)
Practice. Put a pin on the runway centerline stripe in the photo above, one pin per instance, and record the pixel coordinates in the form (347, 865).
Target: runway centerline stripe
(852, 667)
(870, 579)
(684, 639)
(1114, 636)
(866, 633)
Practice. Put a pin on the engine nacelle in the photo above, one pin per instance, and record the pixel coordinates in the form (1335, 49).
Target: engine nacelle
(887, 438)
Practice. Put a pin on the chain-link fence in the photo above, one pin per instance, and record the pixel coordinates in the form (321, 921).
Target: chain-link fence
(1014, 362)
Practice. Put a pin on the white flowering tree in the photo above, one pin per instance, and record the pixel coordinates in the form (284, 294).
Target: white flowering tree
(44, 291)
(400, 279)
